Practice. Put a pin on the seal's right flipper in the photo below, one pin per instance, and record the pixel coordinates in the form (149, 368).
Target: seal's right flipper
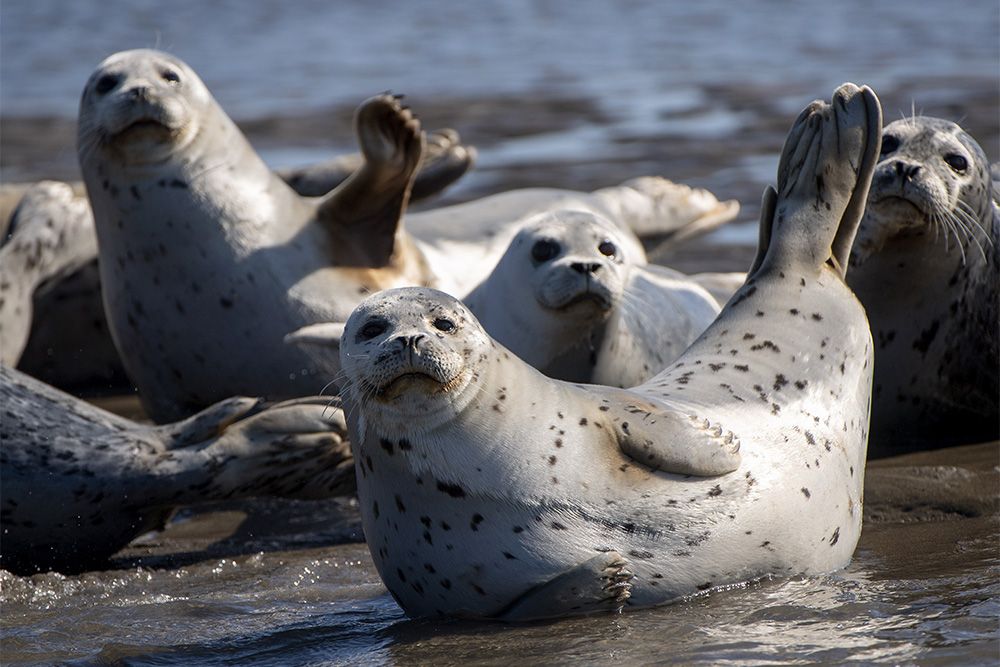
(601, 584)
(365, 212)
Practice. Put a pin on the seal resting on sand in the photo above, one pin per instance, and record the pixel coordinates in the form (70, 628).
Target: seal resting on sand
(488, 490)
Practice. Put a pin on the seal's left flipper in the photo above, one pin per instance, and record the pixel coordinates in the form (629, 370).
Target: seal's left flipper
(601, 584)
(365, 211)
(671, 440)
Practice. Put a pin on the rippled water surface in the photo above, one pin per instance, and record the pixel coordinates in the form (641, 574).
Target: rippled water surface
(575, 94)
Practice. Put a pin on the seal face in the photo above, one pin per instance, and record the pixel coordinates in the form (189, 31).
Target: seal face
(925, 265)
(573, 297)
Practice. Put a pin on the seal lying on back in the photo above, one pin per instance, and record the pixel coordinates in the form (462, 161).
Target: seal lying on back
(489, 490)
(80, 483)
(207, 257)
(926, 265)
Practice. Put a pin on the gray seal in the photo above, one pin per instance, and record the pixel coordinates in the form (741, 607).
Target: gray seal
(927, 268)
(80, 483)
(490, 491)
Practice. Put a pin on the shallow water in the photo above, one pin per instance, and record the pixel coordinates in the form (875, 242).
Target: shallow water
(579, 95)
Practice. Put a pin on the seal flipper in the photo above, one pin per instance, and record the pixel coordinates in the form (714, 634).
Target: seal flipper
(669, 439)
(324, 334)
(600, 584)
(364, 213)
(826, 165)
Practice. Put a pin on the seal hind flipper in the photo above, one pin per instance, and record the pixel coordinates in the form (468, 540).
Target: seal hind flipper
(210, 422)
(812, 179)
(365, 212)
(601, 584)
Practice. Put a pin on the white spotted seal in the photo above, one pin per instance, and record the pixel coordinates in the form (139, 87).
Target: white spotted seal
(50, 236)
(489, 490)
(208, 258)
(573, 297)
(927, 268)
(80, 483)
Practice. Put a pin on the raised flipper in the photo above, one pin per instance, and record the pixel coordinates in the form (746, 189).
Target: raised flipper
(364, 213)
(601, 584)
(814, 178)
(672, 439)
(446, 159)
(671, 212)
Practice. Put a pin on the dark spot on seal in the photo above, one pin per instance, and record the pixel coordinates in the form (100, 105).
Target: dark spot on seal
(518, 529)
(445, 584)
(387, 446)
(375, 509)
(645, 555)
(715, 491)
(509, 556)
(805, 492)
(177, 183)
(426, 520)
(583, 421)
(476, 520)
(835, 537)
(817, 317)
(558, 526)
(453, 490)
(779, 381)
(404, 445)
(226, 302)
(552, 460)
(479, 589)
(399, 504)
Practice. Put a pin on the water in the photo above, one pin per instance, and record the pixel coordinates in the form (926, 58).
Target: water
(574, 94)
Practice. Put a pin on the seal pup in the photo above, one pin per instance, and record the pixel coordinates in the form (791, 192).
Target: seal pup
(574, 297)
(193, 228)
(488, 490)
(80, 483)
(50, 236)
(926, 266)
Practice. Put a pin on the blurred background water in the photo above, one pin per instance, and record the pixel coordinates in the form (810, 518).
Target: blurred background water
(577, 94)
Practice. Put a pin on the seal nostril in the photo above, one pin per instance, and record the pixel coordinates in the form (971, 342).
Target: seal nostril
(138, 93)
(585, 267)
(415, 340)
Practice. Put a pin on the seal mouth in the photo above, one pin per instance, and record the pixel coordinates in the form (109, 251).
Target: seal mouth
(582, 301)
(410, 381)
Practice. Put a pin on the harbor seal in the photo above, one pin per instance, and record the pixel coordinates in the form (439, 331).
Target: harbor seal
(80, 483)
(927, 268)
(574, 297)
(193, 228)
(488, 490)
(50, 236)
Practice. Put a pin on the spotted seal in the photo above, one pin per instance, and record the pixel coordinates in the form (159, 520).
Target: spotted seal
(50, 236)
(193, 228)
(489, 490)
(80, 483)
(927, 268)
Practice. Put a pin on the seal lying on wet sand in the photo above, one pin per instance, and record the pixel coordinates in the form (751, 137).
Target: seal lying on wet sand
(489, 490)
(80, 483)
(926, 265)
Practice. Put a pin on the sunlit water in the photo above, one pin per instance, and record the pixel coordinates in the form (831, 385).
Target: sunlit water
(701, 92)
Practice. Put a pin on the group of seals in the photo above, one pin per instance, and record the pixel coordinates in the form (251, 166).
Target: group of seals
(80, 483)
(489, 490)
(193, 228)
(926, 265)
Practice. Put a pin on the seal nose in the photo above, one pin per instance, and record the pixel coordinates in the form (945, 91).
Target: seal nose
(410, 342)
(905, 171)
(585, 267)
(138, 92)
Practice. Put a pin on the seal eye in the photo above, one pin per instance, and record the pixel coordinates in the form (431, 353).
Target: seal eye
(957, 162)
(889, 144)
(105, 84)
(544, 250)
(170, 76)
(372, 329)
(444, 324)
(608, 248)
